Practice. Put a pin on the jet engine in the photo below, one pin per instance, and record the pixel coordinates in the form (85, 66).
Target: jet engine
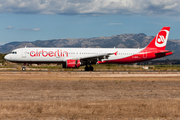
(71, 63)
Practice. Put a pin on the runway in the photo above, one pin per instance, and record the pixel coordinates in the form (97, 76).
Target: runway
(78, 75)
(89, 95)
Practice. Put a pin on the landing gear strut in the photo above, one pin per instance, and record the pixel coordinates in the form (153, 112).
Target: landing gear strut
(24, 67)
(90, 68)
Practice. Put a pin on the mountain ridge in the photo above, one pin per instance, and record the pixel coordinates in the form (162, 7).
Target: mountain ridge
(131, 40)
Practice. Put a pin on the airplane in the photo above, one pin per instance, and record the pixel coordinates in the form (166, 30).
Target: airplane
(76, 57)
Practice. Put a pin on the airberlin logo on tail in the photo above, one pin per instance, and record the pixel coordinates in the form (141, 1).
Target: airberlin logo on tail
(161, 38)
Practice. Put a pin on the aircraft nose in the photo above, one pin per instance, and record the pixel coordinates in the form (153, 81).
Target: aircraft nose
(7, 57)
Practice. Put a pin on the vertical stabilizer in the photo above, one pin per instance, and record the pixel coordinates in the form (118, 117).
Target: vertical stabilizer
(160, 40)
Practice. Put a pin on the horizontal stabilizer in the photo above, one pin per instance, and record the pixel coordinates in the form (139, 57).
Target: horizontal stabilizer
(164, 52)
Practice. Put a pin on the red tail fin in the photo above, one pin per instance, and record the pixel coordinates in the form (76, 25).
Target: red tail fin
(159, 42)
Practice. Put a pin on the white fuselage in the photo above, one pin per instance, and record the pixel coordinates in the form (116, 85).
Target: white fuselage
(58, 55)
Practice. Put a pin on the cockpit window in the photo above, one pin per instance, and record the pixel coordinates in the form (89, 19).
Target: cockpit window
(13, 52)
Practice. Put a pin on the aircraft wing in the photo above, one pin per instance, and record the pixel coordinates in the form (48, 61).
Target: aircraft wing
(100, 56)
(96, 57)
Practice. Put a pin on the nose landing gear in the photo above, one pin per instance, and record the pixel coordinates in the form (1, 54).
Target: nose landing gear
(24, 67)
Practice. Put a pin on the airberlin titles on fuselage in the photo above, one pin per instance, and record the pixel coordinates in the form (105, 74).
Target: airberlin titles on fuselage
(44, 53)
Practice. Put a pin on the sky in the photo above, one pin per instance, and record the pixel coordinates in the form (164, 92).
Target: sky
(30, 20)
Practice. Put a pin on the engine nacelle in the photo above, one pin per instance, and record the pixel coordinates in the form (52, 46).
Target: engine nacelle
(72, 63)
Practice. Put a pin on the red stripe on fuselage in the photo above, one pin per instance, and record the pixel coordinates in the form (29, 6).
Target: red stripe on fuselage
(142, 56)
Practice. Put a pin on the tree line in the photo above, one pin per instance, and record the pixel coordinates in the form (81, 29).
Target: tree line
(2, 58)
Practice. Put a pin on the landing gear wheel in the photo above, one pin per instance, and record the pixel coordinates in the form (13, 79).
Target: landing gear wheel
(23, 68)
(91, 68)
(86, 68)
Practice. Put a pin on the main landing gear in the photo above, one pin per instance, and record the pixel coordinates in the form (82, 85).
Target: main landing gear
(90, 68)
(24, 67)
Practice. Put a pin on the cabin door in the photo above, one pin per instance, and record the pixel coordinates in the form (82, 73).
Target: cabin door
(24, 53)
(145, 54)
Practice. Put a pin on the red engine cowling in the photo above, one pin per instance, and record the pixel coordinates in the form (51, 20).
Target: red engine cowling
(72, 64)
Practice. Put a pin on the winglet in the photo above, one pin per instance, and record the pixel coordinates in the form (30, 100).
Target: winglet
(116, 53)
